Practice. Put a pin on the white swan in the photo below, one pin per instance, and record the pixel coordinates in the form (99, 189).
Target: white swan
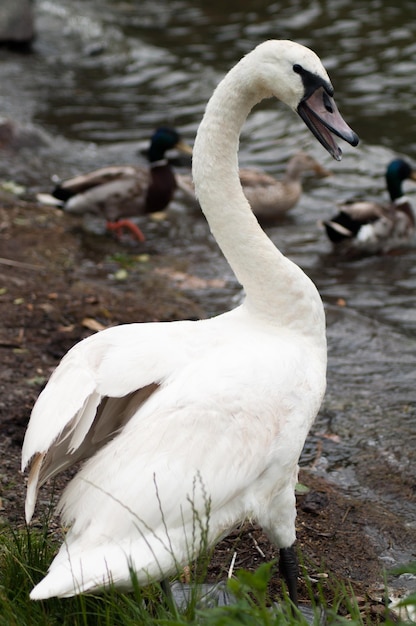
(178, 418)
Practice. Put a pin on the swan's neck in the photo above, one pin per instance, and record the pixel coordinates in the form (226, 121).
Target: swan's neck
(275, 288)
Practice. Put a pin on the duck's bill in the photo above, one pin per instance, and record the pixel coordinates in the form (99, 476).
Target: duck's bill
(321, 116)
(184, 147)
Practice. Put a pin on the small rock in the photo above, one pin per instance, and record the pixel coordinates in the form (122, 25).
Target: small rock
(16, 22)
(314, 502)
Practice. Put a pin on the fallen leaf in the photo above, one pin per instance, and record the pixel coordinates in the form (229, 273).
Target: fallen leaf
(142, 258)
(189, 281)
(36, 380)
(66, 329)
(301, 489)
(12, 187)
(92, 324)
(121, 274)
(158, 216)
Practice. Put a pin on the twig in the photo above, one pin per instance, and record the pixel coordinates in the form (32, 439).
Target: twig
(259, 550)
(28, 266)
(230, 571)
(319, 447)
(318, 532)
(344, 517)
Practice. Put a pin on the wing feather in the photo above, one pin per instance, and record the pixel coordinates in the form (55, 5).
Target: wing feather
(97, 387)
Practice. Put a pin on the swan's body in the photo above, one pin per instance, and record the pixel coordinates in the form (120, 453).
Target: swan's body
(117, 192)
(192, 426)
(269, 198)
(368, 227)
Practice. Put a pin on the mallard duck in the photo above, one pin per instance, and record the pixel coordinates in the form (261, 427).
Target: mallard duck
(191, 426)
(270, 198)
(117, 192)
(368, 227)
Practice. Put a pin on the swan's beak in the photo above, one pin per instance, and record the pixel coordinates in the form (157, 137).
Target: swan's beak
(321, 116)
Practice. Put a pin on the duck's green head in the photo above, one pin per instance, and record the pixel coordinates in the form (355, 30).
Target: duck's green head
(163, 139)
(398, 170)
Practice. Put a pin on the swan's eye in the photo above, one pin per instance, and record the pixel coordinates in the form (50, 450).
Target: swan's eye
(327, 103)
(311, 82)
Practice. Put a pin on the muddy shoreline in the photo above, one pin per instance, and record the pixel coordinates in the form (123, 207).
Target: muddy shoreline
(58, 285)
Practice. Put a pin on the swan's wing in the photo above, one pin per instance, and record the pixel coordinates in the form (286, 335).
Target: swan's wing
(89, 395)
(225, 414)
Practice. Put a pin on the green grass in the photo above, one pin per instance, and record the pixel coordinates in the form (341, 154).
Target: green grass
(26, 553)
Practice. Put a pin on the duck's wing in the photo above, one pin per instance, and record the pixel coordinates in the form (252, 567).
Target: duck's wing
(256, 178)
(93, 393)
(352, 217)
(78, 184)
(269, 198)
(122, 197)
(184, 183)
(365, 211)
(112, 192)
(248, 178)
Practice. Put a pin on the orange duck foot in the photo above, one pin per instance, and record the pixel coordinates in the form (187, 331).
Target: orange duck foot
(118, 226)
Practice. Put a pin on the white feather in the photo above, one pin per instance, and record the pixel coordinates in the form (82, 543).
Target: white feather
(201, 424)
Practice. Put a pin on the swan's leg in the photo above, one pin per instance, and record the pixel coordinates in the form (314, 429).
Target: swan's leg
(279, 526)
(118, 226)
(168, 595)
(288, 566)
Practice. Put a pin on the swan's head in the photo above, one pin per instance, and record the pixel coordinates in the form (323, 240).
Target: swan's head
(295, 75)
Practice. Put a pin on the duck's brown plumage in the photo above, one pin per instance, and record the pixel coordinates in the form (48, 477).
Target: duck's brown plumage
(270, 198)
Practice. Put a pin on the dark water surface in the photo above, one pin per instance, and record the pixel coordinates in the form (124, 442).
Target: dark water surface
(103, 74)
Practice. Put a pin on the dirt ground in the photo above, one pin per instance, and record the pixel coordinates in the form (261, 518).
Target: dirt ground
(57, 286)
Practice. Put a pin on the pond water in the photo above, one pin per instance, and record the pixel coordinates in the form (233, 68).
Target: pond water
(104, 73)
